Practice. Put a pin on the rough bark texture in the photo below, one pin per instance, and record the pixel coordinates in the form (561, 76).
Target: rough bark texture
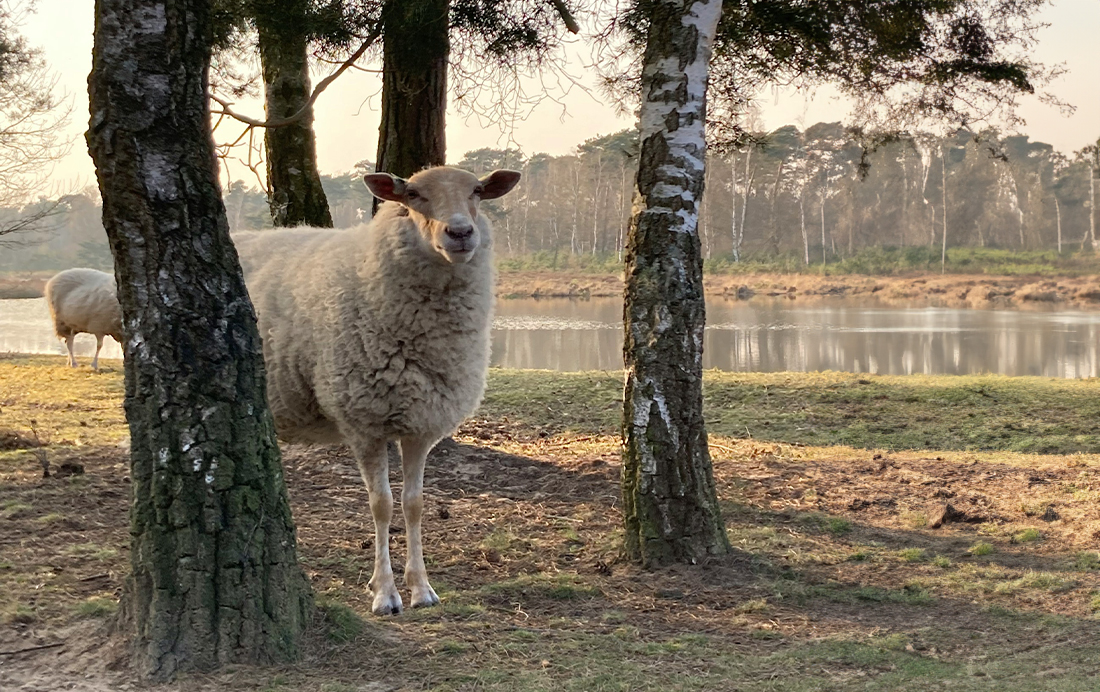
(215, 574)
(669, 500)
(416, 47)
(293, 182)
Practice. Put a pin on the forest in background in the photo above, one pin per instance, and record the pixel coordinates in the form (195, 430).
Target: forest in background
(787, 199)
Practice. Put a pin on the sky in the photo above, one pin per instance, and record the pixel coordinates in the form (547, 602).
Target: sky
(347, 113)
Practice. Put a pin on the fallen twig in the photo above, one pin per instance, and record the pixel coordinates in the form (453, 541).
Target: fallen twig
(95, 576)
(32, 648)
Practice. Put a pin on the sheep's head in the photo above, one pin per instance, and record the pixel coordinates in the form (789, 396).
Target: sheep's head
(444, 204)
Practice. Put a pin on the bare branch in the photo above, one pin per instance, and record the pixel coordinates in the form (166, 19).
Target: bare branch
(321, 86)
(12, 229)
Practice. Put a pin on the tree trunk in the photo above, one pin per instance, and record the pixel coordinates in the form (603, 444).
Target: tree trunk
(943, 257)
(670, 506)
(1058, 218)
(294, 188)
(415, 50)
(215, 574)
(1092, 210)
(802, 221)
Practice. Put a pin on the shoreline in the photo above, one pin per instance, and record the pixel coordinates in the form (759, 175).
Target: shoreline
(977, 291)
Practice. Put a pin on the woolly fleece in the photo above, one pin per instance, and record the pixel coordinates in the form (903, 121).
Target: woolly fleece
(84, 301)
(369, 332)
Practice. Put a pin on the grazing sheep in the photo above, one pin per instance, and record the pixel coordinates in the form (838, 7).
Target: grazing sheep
(381, 333)
(83, 300)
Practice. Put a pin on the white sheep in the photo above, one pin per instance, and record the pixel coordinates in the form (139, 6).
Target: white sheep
(381, 333)
(84, 300)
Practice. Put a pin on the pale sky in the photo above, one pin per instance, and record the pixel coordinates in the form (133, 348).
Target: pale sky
(347, 113)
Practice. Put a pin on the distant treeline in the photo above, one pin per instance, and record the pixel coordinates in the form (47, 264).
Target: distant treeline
(806, 196)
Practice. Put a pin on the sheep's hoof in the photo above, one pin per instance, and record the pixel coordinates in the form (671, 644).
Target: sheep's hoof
(387, 604)
(424, 597)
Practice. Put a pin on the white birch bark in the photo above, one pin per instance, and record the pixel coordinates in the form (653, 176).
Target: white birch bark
(670, 506)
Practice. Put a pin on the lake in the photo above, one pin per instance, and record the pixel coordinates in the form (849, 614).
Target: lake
(762, 335)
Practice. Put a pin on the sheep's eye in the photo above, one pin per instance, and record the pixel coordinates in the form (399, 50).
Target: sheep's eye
(412, 194)
(478, 191)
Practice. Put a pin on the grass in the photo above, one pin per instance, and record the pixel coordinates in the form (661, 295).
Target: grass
(1028, 536)
(912, 554)
(876, 261)
(821, 593)
(97, 607)
(1029, 415)
(967, 413)
(342, 623)
(981, 549)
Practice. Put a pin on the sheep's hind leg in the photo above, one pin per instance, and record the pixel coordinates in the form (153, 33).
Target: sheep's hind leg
(414, 452)
(98, 345)
(69, 345)
(374, 467)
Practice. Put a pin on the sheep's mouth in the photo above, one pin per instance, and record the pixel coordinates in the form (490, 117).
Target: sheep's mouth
(458, 252)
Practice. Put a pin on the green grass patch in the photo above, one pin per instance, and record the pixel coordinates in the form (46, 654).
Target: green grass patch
(941, 561)
(20, 614)
(1040, 581)
(11, 509)
(912, 554)
(981, 548)
(342, 623)
(1086, 560)
(1028, 536)
(97, 607)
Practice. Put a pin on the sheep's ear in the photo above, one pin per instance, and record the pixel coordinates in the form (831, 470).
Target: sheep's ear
(499, 183)
(385, 186)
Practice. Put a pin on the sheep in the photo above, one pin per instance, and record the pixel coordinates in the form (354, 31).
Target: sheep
(84, 300)
(380, 333)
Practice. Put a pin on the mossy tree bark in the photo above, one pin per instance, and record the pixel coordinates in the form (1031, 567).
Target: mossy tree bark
(215, 574)
(415, 49)
(669, 501)
(294, 183)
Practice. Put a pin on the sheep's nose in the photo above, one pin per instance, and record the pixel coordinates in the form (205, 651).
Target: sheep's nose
(460, 231)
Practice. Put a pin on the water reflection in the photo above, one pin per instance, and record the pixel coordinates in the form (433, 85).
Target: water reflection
(779, 335)
(25, 327)
(760, 335)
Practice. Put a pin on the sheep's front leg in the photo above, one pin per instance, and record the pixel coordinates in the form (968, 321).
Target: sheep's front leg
(414, 452)
(374, 467)
(69, 345)
(98, 345)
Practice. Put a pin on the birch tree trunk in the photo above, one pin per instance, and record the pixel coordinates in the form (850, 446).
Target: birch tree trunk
(943, 256)
(1058, 219)
(802, 221)
(294, 187)
(215, 573)
(734, 242)
(1092, 210)
(670, 506)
